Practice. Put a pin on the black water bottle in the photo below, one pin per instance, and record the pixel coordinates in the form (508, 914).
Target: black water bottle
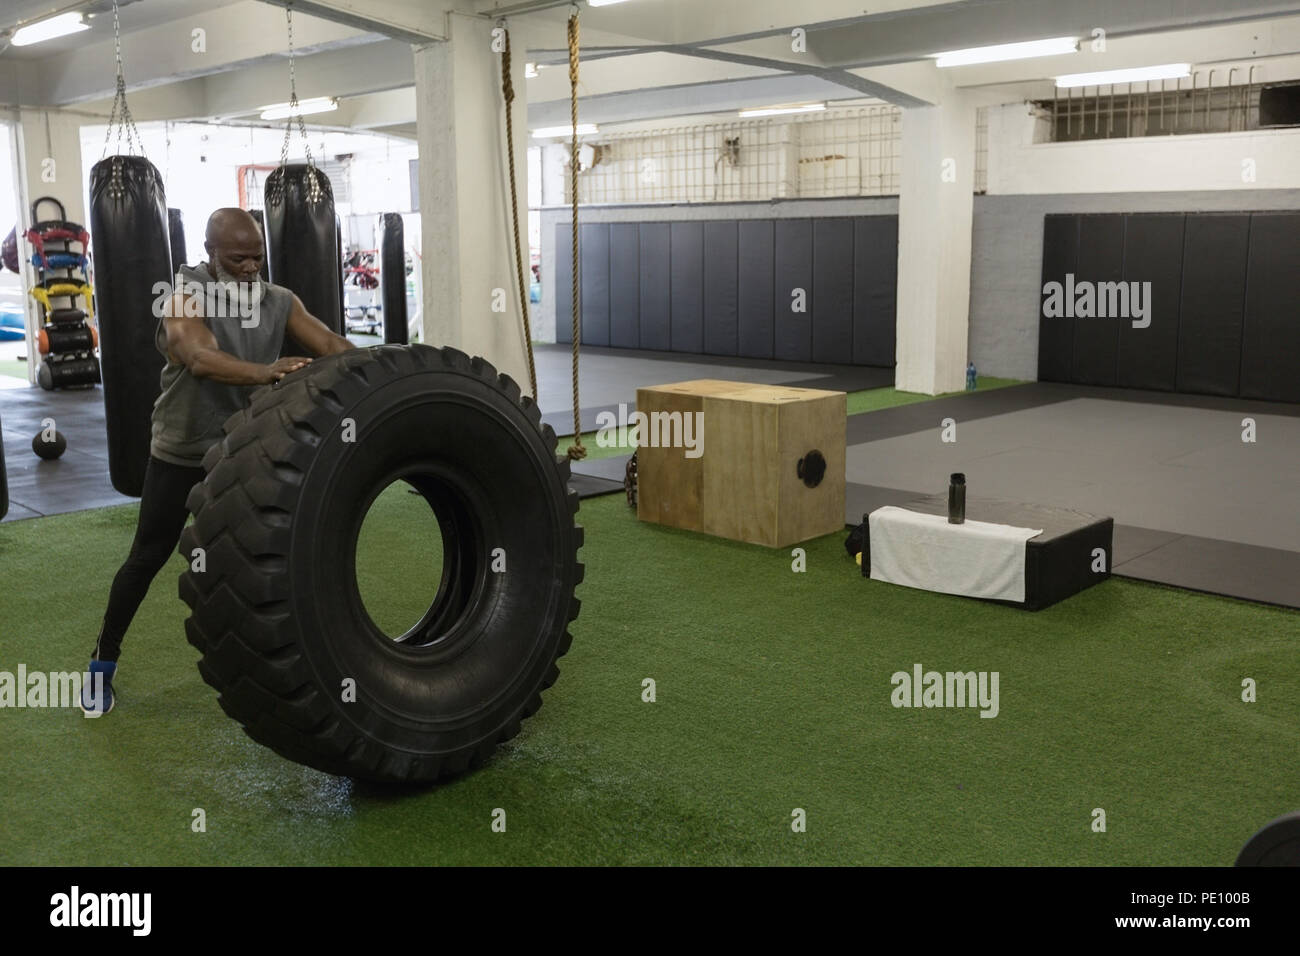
(957, 498)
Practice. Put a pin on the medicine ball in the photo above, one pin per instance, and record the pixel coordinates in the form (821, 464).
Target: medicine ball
(49, 450)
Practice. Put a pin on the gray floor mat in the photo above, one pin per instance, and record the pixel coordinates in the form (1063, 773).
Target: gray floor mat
(1176, 469)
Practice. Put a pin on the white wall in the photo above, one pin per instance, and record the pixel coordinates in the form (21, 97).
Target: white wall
(1027, 181)
(1019, 166)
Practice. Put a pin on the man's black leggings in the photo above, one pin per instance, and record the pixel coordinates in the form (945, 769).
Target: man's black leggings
(162, 518)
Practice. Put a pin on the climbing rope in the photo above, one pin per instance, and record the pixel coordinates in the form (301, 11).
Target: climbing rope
(576, 450)
(508, 91)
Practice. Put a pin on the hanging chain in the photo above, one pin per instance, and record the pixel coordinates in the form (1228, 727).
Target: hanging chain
(314, 190)
(119, 117)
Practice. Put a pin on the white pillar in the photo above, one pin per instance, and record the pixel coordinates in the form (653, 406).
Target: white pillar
(49, 164)
(935, 205)
(464, 185)
(51, 160)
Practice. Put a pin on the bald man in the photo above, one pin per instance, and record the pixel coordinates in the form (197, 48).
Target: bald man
(221, 332)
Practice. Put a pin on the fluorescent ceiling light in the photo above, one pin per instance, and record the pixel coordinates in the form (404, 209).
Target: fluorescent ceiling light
(59, 26)
(603, 3)
(1008, 51)
(550, 132)
(1166, 71)
(319, 104)
(530, 70)
(781, 110)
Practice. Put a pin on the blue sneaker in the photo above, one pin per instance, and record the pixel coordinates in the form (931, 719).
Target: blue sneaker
(97, 692)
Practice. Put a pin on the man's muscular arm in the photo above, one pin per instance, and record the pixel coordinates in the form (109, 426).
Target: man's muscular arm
(313, 334)
(192, 343)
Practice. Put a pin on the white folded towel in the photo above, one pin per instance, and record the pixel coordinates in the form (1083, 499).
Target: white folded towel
(975, 559)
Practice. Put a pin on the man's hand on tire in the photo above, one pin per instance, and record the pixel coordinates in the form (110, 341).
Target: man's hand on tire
(282, 367)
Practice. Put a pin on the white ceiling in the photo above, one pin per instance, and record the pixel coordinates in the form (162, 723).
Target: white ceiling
(133, 15)
(643, 59)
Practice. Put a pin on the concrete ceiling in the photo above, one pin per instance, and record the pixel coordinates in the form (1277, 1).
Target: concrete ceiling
(134, 15)
(643, 59)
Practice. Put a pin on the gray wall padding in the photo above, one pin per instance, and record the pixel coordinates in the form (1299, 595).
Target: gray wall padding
(1101, 259)
(875, 254)
(624, 285)
(1214, 294)
(595, 283)
(1006, 267)
(755, 249)
(1007, 260)
(1153, 252)
(1270, 345)
(793, 272)
(799, 289)
(686, 255)
(1218, 293)
(832, 290)
(721, 281)
(656, 272)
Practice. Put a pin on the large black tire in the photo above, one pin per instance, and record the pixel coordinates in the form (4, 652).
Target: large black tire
(1276, 844)
(277, 614)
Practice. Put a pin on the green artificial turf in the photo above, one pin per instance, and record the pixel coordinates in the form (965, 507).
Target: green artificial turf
(871, 399)
(772, 693)
(14, 368)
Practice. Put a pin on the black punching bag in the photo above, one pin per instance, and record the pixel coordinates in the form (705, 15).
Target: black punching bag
(302, 238)
(257, 214)
(343, 296)
(176, 237)
(132, 250)
(4, 481)
(392, 277)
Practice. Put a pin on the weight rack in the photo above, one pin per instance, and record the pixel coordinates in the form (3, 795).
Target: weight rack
(68, 339)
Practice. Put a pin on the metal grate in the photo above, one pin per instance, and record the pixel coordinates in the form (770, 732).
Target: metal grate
(845, 152)
(1147, 109)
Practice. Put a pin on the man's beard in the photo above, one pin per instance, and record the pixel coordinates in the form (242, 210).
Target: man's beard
(249, 291)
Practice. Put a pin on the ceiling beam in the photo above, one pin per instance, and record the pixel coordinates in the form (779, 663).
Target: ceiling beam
(1258, 40)
(667, 102)
(353, 71)
(916, 34)
(413, 23)
(705, 22)
(842, 78)
(233, 37)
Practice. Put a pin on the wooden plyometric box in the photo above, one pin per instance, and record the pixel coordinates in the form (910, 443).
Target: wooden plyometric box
(725, 458)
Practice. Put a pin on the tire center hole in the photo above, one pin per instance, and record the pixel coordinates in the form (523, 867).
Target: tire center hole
(399, 559)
